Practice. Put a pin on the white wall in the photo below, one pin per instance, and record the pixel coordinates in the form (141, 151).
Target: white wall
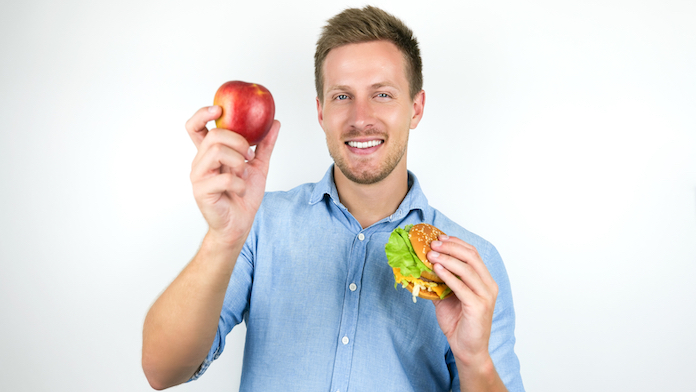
(562, 131)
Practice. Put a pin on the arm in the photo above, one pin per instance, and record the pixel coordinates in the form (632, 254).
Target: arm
(228, 181)
(466, 317)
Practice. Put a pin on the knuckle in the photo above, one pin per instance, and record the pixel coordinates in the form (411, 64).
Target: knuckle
(231, 182)
(212, 136)
(228, 180)
(469, 253)
(238, 186)
(492, 295)
(189, 125)
(472, 250)
(237, 160)
(216, 149)
(193, 125)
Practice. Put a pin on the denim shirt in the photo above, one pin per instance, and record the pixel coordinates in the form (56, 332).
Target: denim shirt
(322, 314)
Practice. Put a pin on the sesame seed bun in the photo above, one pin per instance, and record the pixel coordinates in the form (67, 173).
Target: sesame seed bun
(421, 235)
(427, 285)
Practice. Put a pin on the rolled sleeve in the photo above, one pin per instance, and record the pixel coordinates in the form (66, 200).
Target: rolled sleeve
(501, 345)
(213, 354)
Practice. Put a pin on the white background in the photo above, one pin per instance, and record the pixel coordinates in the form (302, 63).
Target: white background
(562, 131)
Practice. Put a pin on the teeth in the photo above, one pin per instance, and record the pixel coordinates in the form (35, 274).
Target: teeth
(369, 144)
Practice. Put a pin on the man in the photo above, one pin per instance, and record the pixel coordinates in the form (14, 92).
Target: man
(306, 269)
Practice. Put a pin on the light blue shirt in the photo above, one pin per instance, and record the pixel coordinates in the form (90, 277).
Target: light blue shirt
(321, 310)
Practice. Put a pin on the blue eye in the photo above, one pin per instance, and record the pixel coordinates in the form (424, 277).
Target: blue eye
(383, 95)
(341, 97)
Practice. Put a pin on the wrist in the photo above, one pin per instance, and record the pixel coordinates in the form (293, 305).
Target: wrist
(221, 243)
(477, 370)
(219, 251)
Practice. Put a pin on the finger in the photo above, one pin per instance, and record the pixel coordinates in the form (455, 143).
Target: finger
(463, 292)
(217, 185)
(456, 240)
(265, 148)
(465, 252)
(465, 273)
(216, 158)
(196, 125)
(230, 139)
(223, 141)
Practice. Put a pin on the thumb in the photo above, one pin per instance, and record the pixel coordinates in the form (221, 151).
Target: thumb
(265, 147)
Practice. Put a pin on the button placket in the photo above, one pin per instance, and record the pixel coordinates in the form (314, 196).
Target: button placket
(344, 354)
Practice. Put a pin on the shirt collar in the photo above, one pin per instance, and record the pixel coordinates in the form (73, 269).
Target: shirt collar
(414, 200)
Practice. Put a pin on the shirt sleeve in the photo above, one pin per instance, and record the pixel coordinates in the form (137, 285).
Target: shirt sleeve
(235, 306)
(501, 345)
(454, 375)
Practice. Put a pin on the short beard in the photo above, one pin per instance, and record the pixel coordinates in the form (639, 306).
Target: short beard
(365, 177)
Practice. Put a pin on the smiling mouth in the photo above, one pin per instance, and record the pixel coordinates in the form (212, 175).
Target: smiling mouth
(371, 143)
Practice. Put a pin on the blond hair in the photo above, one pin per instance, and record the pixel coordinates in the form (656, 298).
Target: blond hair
(355, 25)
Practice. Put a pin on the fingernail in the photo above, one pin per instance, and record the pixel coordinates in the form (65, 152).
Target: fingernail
(211, 108)
(444, 237)
(251, 153)
(435, 243)
(434, 254)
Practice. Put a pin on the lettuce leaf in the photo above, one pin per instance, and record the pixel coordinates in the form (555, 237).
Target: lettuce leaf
(400, 253)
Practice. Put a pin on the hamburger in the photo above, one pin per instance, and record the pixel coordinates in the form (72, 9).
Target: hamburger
(406, 253)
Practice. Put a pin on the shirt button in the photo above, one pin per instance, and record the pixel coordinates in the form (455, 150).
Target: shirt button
(345, 340)
(361, 236)
(353, 287)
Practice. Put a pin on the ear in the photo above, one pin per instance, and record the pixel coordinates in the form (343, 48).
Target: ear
(418, 107)
(320, 113)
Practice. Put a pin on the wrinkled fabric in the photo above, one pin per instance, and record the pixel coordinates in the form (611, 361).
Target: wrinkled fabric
(322, 314)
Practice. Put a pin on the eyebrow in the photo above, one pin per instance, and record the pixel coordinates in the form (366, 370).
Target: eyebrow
(338, 87)
(373, 86)
(383, 84)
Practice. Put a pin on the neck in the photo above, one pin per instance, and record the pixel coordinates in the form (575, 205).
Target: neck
(373, 202)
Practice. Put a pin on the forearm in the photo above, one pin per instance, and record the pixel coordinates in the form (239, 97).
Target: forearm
(181, 325)
(479, 375)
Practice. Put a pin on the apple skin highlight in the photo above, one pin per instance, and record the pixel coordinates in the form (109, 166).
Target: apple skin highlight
(247, 109)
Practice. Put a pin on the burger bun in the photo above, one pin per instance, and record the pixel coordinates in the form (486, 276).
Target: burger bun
(421, 235)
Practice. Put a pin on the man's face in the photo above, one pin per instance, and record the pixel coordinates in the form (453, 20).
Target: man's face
(367, 110)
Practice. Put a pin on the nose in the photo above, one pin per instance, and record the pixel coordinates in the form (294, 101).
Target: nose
(362, 114)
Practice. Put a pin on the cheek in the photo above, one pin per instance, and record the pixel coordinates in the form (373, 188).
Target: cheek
(398, 118)
(330, 124)
(334, 116)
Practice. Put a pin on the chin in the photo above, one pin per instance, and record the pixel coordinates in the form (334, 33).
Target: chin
(364, 177)
(368, 175)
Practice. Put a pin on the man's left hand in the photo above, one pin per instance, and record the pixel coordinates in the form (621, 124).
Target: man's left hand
(466, 317)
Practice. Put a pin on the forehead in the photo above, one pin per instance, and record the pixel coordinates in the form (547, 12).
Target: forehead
(366, 62)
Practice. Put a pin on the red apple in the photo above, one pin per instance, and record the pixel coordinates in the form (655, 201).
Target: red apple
(247, 109)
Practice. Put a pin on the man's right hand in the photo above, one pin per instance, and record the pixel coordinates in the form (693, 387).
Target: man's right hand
(228, 177)
(229, 181)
